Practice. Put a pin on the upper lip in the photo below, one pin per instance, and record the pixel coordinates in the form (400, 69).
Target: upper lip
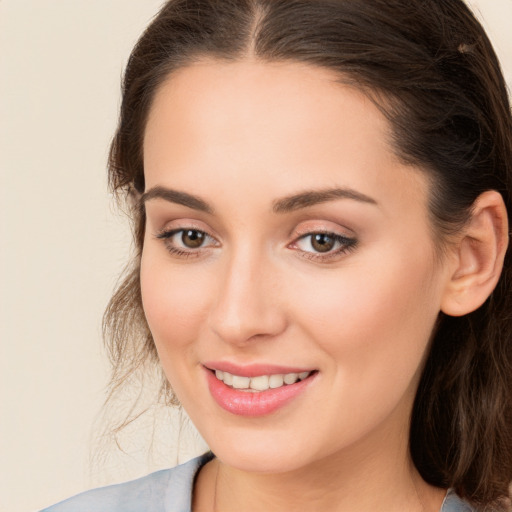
(254, 369)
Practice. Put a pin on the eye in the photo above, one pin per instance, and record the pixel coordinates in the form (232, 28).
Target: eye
(186, 241)
(321, 242)
(324, 245)
(192, 238)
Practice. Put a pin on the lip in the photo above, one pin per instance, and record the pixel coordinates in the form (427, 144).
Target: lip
(253, 370)
(253, 404)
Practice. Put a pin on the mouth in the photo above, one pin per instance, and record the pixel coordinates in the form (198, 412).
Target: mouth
(259, 391)
(260, 382)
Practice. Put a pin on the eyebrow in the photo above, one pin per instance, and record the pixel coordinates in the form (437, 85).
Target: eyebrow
(175, 196)
(313, 197)
(284, 205)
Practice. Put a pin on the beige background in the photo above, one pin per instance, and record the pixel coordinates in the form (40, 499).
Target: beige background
(62, 244)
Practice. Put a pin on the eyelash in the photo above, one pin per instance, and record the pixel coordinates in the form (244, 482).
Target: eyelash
(167, 235)
(346, 244)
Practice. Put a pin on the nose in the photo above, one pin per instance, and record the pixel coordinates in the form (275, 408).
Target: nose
(247, 305)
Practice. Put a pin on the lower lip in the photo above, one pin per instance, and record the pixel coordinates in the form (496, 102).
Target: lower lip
(260, 403)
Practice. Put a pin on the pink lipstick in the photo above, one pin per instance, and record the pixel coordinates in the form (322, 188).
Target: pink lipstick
(255, 390)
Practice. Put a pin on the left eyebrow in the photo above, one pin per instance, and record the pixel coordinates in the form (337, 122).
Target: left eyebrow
(175, 196)
(313, 197)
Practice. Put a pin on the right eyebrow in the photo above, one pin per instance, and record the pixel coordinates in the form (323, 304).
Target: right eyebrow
(174, 196)
(313, 197)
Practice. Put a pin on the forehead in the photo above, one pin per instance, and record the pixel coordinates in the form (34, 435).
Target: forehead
(275, 101)
(286, 123)
(255, 93)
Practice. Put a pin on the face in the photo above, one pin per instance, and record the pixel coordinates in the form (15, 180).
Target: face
(287, 249)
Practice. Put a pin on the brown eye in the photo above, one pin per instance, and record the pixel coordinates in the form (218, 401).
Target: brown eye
(324, 246)
(322, 242)
(187, 243)
(191, 238)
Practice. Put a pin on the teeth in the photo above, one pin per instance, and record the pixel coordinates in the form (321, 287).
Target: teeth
(275, 381)
(241, 382)
(261, 382)
(290, 378)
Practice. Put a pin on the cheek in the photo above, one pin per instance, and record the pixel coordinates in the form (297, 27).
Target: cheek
(372, 323)
(374, 315)
(175, 303)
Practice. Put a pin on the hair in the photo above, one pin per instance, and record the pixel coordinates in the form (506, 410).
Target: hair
(432, 71)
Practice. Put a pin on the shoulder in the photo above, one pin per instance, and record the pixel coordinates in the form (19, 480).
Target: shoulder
(168, 490)
(452, 503)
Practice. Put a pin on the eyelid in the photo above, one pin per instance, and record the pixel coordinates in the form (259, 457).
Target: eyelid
(343, 242)
(166, 225)
(346, 242)
(336, 236)
(167, 233)
(327, 227)
(346, 245)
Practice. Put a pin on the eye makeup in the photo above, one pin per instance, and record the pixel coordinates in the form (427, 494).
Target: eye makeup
(322, 246)
(326, 246)
(191, 243)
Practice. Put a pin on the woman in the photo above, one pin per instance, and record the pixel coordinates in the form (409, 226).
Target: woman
(321, 206)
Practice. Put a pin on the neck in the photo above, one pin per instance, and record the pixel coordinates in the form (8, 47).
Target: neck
(314, 489)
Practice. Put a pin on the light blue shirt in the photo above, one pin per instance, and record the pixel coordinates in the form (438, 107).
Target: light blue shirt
(168, 490)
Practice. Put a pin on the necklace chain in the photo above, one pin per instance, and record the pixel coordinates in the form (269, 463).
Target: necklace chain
(215, 487)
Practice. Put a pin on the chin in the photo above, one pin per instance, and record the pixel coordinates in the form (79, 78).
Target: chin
(260, 450)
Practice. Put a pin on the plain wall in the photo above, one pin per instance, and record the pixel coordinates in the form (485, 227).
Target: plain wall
(63, 244)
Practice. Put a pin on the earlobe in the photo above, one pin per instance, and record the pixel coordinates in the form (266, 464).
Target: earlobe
(478, 256)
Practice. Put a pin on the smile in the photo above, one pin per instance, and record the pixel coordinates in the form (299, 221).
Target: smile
(263, 390)
(260, 382)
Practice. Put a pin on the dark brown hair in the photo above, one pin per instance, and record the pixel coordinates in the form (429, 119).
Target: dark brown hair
(431, 69)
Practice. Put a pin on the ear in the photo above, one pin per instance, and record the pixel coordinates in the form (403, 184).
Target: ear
(478, 256)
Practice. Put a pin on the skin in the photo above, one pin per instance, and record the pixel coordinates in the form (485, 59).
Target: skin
(241, 136)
